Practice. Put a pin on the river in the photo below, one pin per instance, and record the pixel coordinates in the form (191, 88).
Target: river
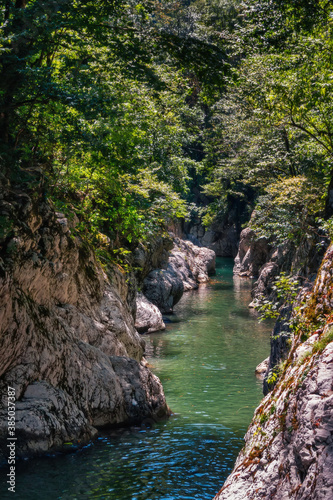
(205, 360)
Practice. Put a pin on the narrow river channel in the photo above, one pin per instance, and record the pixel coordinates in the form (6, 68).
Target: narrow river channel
(205, 360)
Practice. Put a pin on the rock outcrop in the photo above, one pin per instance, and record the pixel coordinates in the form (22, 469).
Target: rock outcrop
(148, 316)
(68, 345)
(154, 254)
(187, 266)
(223, 238)
(261, 259)
(222, 235)
(289, 445)
(252, 254)
(262, 368)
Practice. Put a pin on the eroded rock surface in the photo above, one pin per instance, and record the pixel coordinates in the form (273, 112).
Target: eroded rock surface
(223, 238)
(288, 451)
(289, 446)
(263, 260)
(187, 266)
(148, 316)
(252, 254)
(68, 344)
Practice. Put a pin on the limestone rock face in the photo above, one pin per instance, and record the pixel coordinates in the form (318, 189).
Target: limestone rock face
(68, 344)
(290, 455)
(192, 263)
(252, 254)
(222, 238)
(288, 451)
(188, 265)
(148, 316)
(260, 259)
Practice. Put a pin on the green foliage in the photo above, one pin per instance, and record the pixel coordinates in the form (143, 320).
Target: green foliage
(273, 376)
(272, 409)
(272, 128)
(326, 226)
(127, 169)
(286, 289)
(134, 108)
(287, 212)
(6, 226)
(263, 418)
(97, 94)
(326, 339)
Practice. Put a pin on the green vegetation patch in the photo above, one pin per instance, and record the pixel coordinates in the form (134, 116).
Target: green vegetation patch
(323, 342)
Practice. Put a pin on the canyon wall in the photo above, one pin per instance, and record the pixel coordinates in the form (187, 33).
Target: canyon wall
(288, 450)
(68, 345)
(69, 341)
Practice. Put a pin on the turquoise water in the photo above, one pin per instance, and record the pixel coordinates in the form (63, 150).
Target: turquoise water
(205, 360)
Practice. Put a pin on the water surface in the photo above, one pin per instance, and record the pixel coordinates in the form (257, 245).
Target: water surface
(205, 360)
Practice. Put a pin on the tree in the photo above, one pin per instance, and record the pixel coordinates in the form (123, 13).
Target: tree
(275, 121)
(86, 96)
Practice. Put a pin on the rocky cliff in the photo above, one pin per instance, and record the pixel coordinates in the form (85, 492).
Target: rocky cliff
(288, 452)
(68, 345)
(69, 341)
(263, 260)
(148, 317)
(222, 237)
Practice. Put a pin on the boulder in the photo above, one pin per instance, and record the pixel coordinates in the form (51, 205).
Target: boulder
(148, 316)
(164, 288)
(261, 369)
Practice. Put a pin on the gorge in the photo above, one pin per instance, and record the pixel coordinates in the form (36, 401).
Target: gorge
(199, 443)
(165, 182)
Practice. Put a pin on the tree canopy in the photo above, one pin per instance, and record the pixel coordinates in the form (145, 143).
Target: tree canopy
(126, 108)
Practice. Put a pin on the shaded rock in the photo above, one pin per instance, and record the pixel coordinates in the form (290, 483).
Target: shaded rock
(263, 260)
(154, 254)
(148, 316)
(280, 344)
(223, 238)
(164, 288)
(252, 254)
